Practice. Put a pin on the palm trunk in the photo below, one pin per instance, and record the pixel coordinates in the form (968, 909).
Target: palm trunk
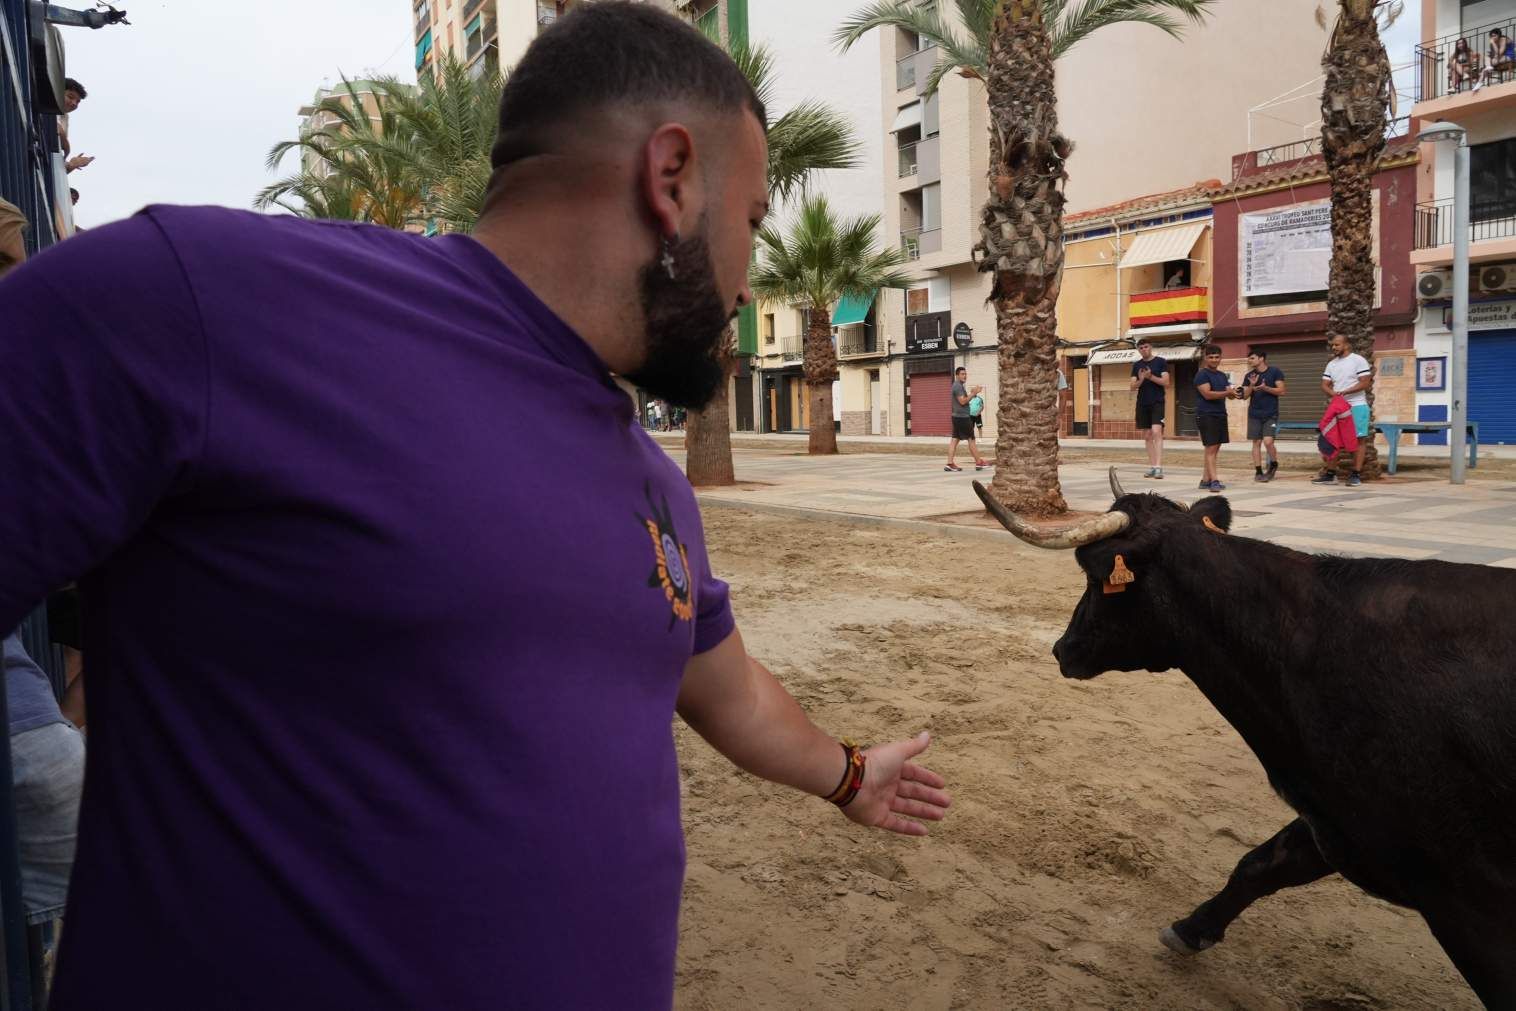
(1355, 104)
(820, 362)
(708, 435)
(1021, 234)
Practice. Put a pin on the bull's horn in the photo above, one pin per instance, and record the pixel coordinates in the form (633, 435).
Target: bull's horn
(1091, 530)
(1116, 490)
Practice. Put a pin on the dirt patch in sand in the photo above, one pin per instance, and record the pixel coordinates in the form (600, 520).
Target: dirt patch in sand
(1086, 815)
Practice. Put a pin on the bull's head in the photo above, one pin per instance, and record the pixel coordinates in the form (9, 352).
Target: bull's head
(1134, 595)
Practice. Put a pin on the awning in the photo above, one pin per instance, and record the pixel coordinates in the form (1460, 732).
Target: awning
(1163, 244)
(1124, 356)
(907, 117)
(852, 310)
(1194, 331)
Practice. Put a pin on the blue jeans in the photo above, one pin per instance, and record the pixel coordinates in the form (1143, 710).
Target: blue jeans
(47, 765)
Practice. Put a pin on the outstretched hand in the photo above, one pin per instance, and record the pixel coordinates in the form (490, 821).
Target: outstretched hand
(895, 790)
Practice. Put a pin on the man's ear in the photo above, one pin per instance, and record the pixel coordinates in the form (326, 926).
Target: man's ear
(1217, 510)
(667, 177)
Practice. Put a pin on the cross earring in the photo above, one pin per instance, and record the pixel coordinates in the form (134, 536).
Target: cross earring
(668, 255)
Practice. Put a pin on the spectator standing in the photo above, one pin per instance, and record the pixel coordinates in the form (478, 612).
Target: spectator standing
(963, 421)
(383, 697)
(1263, 386)
(1349, 376)
(1150, 378)
(1214, 388)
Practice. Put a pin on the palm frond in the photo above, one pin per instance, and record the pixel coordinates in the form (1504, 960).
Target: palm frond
(968, 51)
(818, 257)
(1072, 21)
(810, 137)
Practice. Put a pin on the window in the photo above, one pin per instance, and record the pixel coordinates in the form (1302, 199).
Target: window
(1492, 175)
(424, 10)
(917, 301)
(804, 316)
(768, 328)
(424, 49)
(931, 207)
(939, 294)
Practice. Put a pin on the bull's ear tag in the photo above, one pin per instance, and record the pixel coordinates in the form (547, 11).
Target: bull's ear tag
(1213, 528)
(1120, 577)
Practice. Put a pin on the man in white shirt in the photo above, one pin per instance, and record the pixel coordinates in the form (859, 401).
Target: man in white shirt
(1349, 376)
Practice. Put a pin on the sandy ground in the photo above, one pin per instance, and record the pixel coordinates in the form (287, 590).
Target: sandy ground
(1086, 816)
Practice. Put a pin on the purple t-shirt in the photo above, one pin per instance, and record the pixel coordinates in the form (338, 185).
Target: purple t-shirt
(383, 641)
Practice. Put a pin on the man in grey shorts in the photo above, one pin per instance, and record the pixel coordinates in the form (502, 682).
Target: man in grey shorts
(47, 770)
(1263, 386)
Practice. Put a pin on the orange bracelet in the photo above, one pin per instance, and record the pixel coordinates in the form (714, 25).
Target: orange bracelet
(852, 775)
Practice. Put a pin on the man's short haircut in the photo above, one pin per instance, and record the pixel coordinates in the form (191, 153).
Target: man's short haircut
(959, 369)
(1208, 350)
(613, 53)
(69, 84)
(1144, 343)
(1260, 352)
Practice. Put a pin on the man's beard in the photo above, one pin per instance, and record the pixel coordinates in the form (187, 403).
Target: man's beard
(686, 325)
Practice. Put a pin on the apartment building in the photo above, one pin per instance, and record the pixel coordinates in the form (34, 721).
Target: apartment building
(313, 117)
(480, 32)
(1147, 114)
(1480, 96)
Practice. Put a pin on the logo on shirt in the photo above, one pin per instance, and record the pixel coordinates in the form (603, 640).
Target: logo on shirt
(671, 571)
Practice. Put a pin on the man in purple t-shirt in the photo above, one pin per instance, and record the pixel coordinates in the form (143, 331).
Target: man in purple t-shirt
(381, 684)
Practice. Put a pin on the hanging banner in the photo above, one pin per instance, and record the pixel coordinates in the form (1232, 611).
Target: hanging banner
(1288, 251)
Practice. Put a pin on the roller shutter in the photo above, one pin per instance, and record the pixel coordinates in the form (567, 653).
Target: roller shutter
(930, 407)
(1492, 385)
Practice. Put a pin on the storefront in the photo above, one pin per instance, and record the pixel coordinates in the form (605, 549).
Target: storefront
(786, 404)
(1492, 370)
(1113, 402)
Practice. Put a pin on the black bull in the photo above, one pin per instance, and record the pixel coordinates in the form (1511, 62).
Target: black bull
(1378, 695)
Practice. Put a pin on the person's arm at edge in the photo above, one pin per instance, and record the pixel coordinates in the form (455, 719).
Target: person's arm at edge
(742, 711)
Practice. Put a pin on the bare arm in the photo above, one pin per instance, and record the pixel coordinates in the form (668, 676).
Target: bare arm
(742, 710)
(1326, 387)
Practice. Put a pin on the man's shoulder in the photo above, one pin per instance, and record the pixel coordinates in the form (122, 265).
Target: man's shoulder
(209, 223)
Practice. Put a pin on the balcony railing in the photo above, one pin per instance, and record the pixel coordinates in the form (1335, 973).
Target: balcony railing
(546, 16)
(792, 349)
(1435, 69)
(905, 72)
(910, 243)
(1311, 146)
(469, 7)
(907, 160)
(423, 23)
(475, 46)
(859, 345)
(1487, 220)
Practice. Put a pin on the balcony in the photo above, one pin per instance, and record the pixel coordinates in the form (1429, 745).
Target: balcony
(423, 23)
(546, 16)
(1300, 150)
(905, 72)
(908, 162)
(792, 350)
(910, 243)
(1492, 224)
(855, 344)
(469, 7)
(1434, 63)
(474, 46)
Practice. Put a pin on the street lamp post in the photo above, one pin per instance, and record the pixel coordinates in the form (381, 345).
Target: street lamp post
(1459, 364)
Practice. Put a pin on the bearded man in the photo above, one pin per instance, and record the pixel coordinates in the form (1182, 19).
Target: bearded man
(382, 669)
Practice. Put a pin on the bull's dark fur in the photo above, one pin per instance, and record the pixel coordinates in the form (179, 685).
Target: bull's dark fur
(1378, 695)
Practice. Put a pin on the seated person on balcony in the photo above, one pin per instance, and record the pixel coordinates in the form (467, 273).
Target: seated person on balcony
(1177, 280)
(1500, 60)
(1463, 66)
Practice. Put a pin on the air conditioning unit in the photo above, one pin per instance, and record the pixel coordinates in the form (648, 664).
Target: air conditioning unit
(1497, 278)
(1435, 284)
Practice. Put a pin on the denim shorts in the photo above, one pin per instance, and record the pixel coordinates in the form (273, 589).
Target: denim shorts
(47, 765)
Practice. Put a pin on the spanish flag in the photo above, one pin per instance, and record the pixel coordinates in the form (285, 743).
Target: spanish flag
(1177, 305)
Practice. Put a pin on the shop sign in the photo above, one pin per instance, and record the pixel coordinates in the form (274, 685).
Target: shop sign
(1486, 315)
(963, 335)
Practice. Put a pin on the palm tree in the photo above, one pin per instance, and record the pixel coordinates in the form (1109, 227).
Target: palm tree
(809, 137)
(817, 261)
(1355, 114)
(1010, 45)
(412, 157)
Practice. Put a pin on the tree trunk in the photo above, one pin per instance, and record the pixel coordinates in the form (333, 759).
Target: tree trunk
(820, 361)
(1355, 108)
(708, 433)
(1021, 243)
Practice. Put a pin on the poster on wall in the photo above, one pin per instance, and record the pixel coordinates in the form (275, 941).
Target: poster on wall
(1288, 251)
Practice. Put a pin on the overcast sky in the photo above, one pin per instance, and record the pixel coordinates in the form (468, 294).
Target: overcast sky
(185, 103)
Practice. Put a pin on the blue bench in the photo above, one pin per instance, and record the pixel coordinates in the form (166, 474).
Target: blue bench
(1393, 430)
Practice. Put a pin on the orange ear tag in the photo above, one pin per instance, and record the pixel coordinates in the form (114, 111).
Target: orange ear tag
(1120, 577)
(1213, 528)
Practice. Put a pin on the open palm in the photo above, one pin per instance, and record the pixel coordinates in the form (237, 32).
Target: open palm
(896, 790)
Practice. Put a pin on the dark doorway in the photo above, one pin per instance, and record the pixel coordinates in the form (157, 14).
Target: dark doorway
(1184, 398)
(742, 393)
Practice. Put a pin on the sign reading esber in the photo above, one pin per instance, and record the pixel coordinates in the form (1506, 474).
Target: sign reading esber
(963, 335)
(927, 333)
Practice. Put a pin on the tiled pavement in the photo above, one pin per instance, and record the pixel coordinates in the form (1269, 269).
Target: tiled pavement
(1398, 517)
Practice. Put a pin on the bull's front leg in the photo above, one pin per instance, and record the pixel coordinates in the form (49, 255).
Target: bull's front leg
(1290, 858)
